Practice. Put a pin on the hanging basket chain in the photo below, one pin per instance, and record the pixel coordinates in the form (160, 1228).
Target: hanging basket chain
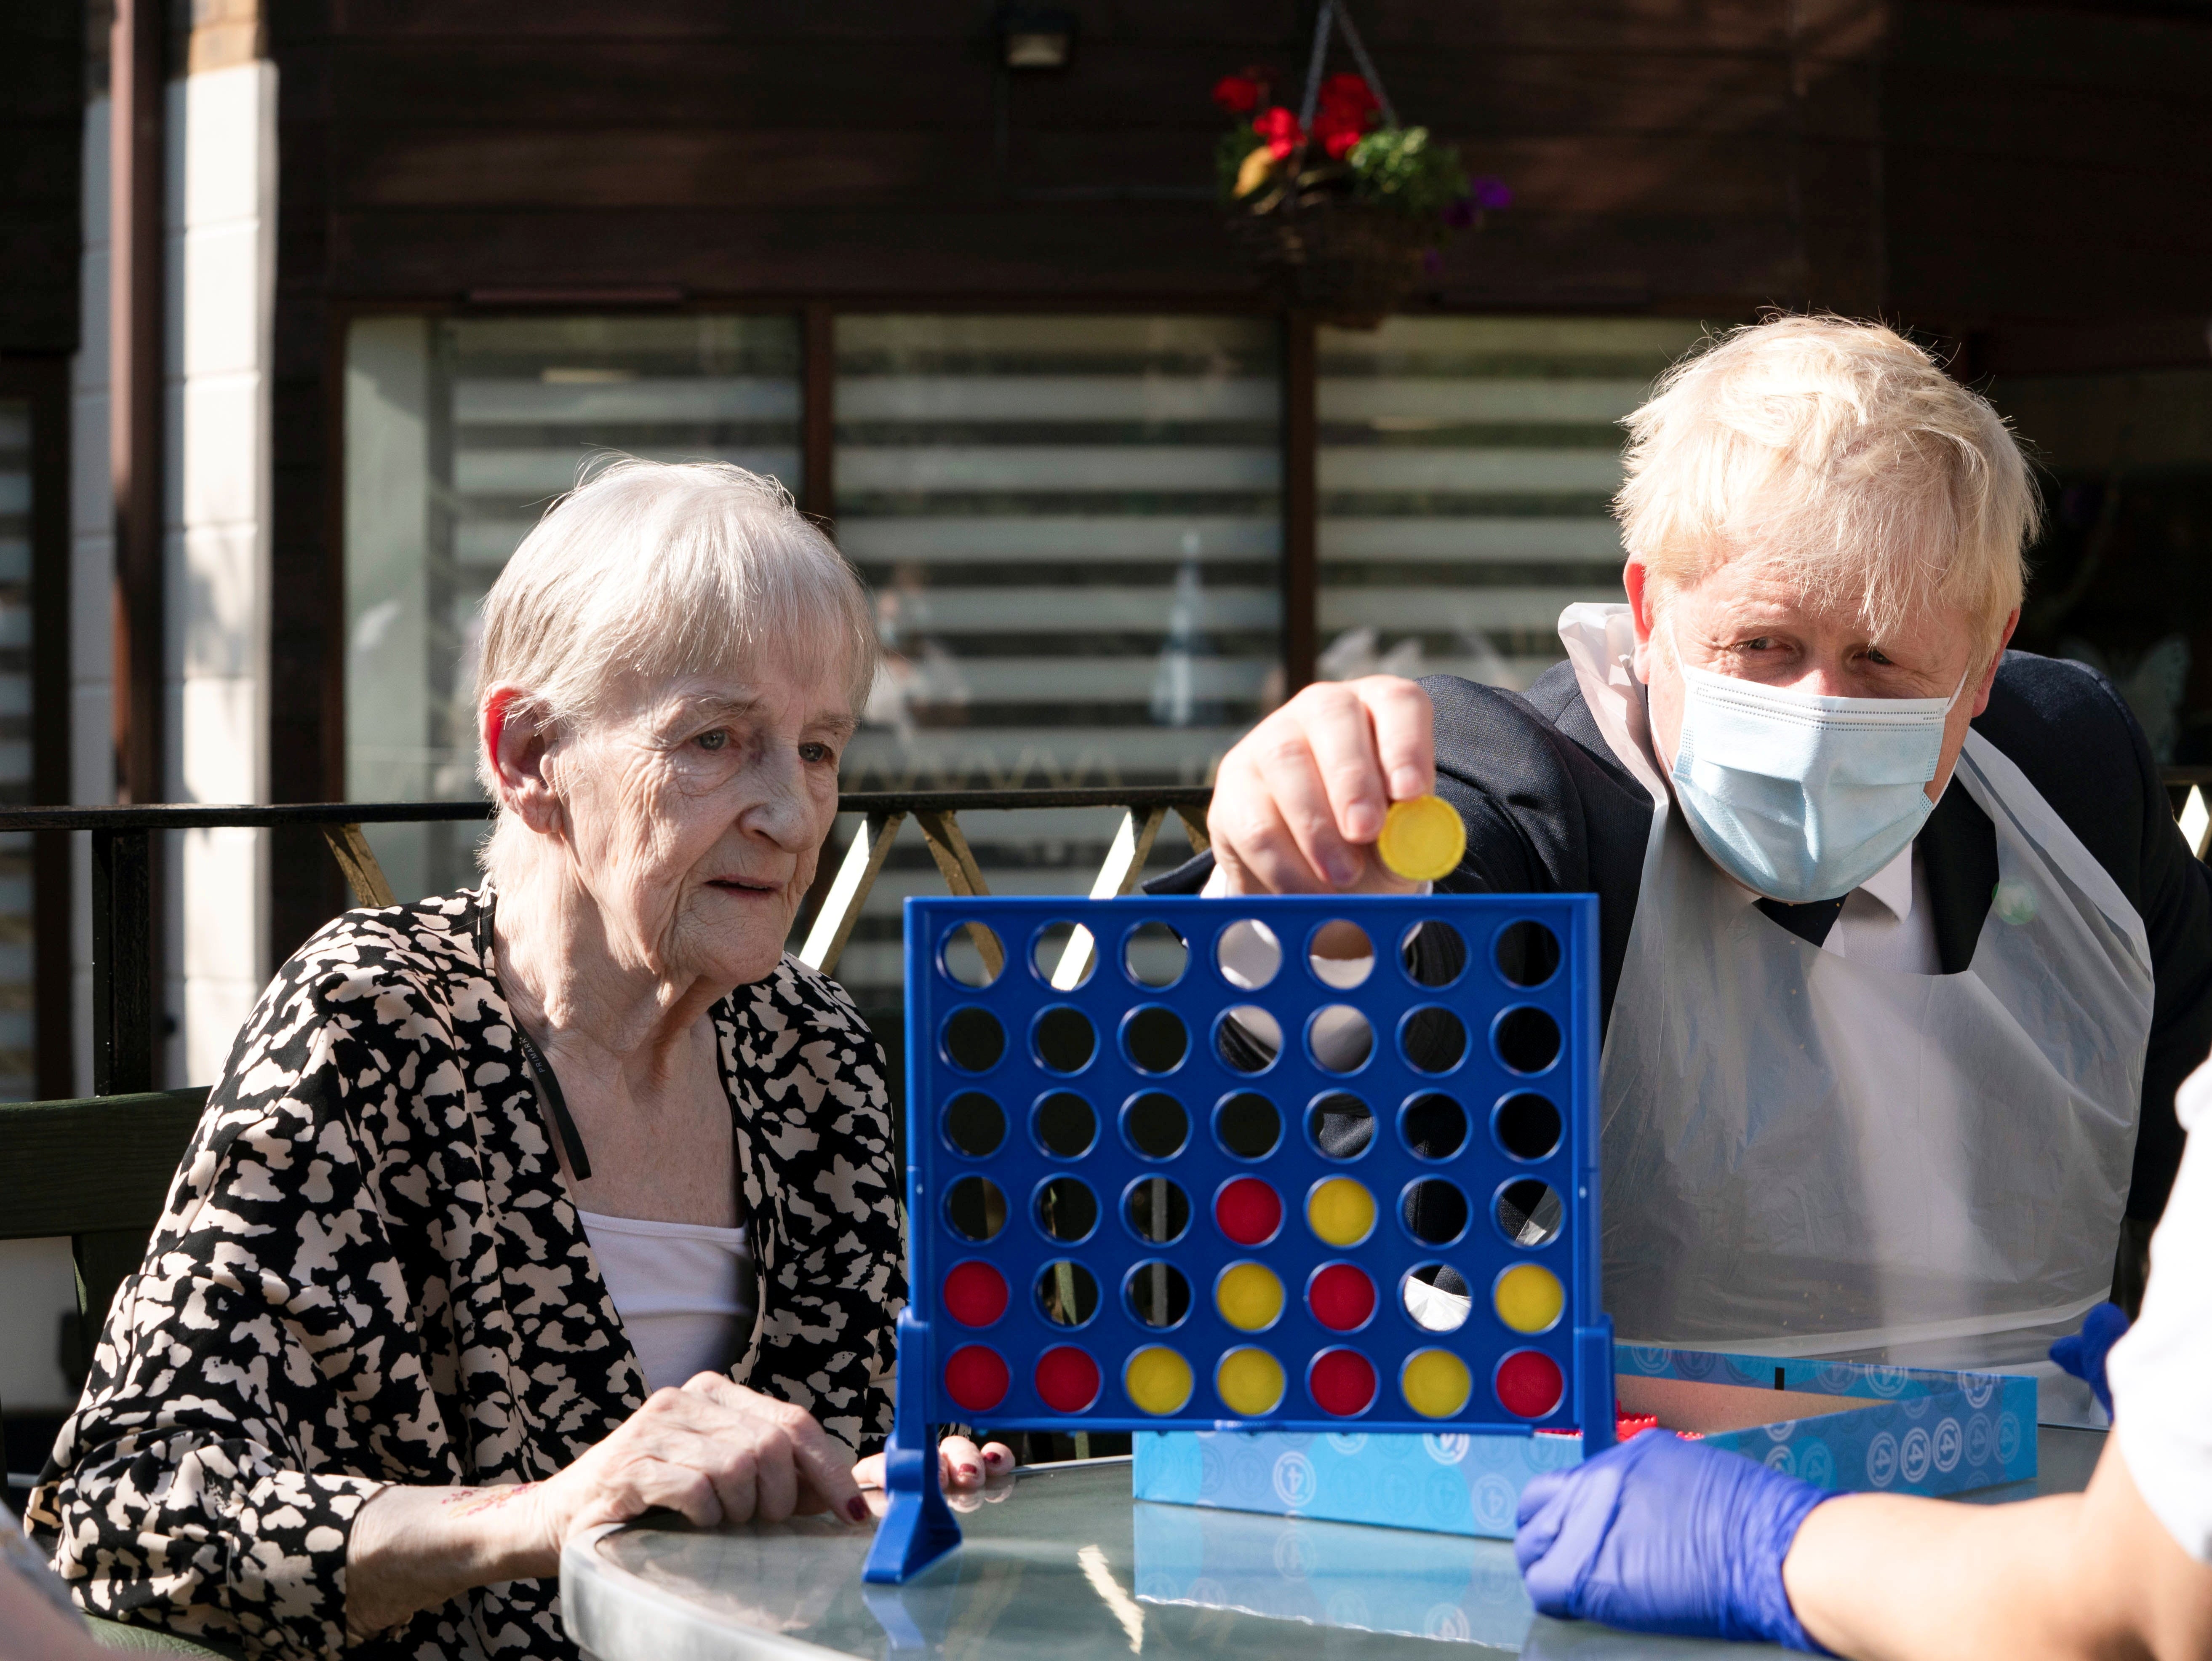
(1366, 66)
(1334, 13)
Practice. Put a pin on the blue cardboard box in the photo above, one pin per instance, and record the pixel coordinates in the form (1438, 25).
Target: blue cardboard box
(1840, 1425)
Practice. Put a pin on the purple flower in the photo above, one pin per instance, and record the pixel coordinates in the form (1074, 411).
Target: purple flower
(1489, 192)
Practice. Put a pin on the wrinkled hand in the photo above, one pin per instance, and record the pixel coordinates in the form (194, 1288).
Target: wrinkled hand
(961, 1466)
(714, 1450)
(2083, 1353)
(1661, 1535)
(1298, 803)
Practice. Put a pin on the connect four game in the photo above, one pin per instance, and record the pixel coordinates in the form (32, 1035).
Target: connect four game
(1292, 1163)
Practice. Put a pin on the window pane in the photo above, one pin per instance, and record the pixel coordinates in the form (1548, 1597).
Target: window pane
(1073, 525)
(458, 433)
(19, 1069)
(1467, 468)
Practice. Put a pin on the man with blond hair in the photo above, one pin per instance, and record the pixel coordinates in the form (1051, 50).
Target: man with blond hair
(1902, 955)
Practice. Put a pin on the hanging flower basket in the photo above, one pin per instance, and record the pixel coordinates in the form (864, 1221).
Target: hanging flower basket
(1340, 210)
(1322, 252)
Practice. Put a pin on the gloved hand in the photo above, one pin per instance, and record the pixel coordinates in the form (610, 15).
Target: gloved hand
(1661, 1534)
(2083, 1354)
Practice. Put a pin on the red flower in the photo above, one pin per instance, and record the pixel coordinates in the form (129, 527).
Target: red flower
(1349, 95)
(1279, 128)
(1348, 109)
(1237, 94)
(1337, 133)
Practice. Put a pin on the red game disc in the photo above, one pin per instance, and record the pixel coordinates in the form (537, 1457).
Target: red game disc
(1066, 1379)
(1341, 1297)
(1248, 1211)
(1529, 1384)
(974, 1294)
(976, 1377)
(1342, 1382)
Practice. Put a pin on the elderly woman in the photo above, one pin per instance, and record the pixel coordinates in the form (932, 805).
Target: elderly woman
(1902, 956)
(524, 1209)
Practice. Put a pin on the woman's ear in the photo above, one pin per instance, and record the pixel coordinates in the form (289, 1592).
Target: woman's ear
(518, 745)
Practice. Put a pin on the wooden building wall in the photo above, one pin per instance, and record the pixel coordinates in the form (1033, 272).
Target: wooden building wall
(2020, 178)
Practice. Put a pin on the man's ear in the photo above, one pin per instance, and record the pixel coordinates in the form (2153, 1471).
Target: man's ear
(1997, 657)
(517, 745)
(1636, 577)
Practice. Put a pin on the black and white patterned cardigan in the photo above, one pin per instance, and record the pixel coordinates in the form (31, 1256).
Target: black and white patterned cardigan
(369, 1271)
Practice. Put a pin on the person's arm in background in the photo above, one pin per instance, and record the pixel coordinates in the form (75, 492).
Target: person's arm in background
(2090, 1574)
(1660, 1535)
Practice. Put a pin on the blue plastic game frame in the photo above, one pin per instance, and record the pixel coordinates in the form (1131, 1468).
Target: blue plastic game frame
(918, 1526)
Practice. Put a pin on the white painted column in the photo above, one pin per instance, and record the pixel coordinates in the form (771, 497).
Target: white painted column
(222, 278)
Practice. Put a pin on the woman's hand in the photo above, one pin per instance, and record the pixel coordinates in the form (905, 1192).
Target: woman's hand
(714, 1450)
(1298, 803)
(960, 1465)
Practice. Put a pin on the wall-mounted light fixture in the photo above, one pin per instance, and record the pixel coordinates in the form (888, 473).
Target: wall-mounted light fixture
(1033, 37)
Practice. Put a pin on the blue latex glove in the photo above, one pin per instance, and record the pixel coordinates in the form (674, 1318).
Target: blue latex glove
(2083, 1354)
(1661, 1534)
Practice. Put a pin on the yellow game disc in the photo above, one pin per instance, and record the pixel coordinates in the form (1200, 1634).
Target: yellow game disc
(1437, 1384)
(1250, 1383)
(1341, 1212)
(1157, 1380)
(1422, 839)
(1529, 1298)
(1248, 1296)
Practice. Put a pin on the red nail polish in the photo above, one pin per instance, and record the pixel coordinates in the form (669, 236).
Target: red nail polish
(857, 1508)
(970, 1472)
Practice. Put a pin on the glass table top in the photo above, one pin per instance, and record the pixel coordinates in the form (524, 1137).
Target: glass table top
(1061, 1562)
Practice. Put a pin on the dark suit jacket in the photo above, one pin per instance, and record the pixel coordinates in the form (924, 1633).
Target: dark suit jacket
(1548, 809)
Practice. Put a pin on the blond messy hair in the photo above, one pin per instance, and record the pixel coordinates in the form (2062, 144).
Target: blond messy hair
(650, 571)
(1842, 453)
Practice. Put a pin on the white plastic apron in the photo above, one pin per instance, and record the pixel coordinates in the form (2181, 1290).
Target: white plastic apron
(1807, 1155)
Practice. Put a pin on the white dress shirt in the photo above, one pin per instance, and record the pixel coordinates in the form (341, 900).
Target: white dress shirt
(1886, 922)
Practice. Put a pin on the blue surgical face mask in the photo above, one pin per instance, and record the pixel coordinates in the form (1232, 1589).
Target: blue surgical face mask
(1798, 797)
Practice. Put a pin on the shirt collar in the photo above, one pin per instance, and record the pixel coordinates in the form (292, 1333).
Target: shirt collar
(1892, 885)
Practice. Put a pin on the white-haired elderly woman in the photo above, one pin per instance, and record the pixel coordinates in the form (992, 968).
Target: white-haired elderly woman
(1901, 953)
(537, 1206)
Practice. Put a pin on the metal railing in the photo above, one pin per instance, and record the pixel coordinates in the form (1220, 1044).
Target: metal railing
(124, 1016)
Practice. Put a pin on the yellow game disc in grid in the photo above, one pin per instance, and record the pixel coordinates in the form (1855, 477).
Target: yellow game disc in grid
(1248, 1296)
(1157, 1380)
(1422, 839)
(1529, 1298)
(1341, 1212)
(1250, 1383)
(1437, 1384)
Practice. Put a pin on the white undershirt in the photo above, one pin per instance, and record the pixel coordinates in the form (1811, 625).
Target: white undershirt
(684, 1292)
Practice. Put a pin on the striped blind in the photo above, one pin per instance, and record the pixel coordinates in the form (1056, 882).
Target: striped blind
(1073, 525)
(458, 433)
(18, 1004)
(1466, 469)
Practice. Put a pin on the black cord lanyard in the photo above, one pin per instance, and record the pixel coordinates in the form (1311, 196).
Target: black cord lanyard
(564, 1127)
